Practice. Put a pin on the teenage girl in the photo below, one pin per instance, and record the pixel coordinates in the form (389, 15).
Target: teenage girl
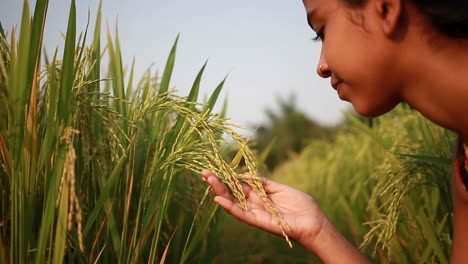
(378, 53)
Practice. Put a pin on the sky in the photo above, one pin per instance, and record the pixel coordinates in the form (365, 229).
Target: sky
(264, 47)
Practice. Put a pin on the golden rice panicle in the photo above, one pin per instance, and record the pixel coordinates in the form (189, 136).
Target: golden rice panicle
(68, 178)
(207, 129)
(216, 163)
(255, 181)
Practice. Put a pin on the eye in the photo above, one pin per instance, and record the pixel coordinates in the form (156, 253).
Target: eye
(320, 35)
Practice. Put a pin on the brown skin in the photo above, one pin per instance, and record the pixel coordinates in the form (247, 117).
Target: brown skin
(392, 46)
(376, 56)
(309, 225)
(460, 216)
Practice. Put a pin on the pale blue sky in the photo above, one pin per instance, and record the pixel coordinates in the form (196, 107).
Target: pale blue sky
(264, 45)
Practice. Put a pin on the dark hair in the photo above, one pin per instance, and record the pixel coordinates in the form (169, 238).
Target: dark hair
(450, 17)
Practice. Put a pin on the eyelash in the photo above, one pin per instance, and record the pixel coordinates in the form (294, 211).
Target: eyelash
(319, 37)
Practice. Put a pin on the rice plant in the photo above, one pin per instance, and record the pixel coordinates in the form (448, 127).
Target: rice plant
(386, 187)
(96, 168)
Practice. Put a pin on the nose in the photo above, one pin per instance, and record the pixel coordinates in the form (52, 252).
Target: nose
(323, 70)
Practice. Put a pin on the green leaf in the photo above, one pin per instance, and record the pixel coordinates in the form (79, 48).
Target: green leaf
(223, 112)
(428, 159)
(49, 205)
(193, 95)
(367, 130)
(19, 89)
(202, 226)
(68, 73)
(2, 33)
(79, 60)
(166, 78)
(214, 97)
(37, 31)
(130, 81)
(61, 226)
(105, 194)
(96, 50)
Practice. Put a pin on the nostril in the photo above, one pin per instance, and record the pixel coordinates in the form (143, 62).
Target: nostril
(323, 71)
(321, 67)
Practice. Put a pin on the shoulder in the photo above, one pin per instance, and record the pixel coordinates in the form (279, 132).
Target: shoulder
(460, 172)
(460, 207)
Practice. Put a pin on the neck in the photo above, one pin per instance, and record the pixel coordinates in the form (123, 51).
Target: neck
(439, 89)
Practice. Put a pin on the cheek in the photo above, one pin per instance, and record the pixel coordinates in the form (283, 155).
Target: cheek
(378, 90)
(370, 86)
(367, 72)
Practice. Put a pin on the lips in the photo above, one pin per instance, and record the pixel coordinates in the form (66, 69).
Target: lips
(335, 84)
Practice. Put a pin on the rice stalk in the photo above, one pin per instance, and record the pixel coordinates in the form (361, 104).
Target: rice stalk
(118, 180)
(391, 198)
(69, 178)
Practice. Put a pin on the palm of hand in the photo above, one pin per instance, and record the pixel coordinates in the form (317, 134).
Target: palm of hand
(299, 210)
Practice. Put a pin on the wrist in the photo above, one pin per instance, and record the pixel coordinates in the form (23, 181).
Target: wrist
(330, 246)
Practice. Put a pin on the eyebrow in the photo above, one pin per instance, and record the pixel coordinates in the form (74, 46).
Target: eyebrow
(310, 17)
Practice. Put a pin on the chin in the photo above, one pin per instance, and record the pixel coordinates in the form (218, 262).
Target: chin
(372, 110)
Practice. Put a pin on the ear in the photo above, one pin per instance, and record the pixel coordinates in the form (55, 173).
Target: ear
(390, 14)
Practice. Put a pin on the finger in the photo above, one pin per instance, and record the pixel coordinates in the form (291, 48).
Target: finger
(272, 186)
(219, 187)
(258, 218)
(247, 189)
(269, 185)
(205, 174)
(235, 210)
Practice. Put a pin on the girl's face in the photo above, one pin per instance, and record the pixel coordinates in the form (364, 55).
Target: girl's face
(356, 54)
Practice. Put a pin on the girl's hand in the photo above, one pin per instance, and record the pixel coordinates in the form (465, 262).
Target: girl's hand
(299, 210)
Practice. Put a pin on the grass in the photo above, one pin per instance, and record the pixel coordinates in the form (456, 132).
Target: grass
(104, 167)
(386, 187)
(96, 168)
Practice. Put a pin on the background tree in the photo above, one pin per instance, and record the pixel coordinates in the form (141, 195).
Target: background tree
(287, 132)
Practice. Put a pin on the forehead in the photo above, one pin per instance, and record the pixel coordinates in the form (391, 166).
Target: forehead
(313, 7)
(312, 4)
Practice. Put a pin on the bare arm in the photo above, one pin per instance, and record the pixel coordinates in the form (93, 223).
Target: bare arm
(309, 225)
(460, 223)
(331, 247)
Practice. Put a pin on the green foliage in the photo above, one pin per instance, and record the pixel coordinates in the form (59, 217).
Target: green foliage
(386, 187)
(101, 173)
(286, 133)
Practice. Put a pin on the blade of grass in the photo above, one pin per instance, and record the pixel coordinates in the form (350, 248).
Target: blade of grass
(31, 142)
(19, 93)
(47, 219)
(166, 78)
(366, 129)
(193, 94)
(202, 227)
(428, 159)
(117, 76)
(431, 236)
(214, 98)
(105, 193)
(61, 228)
(166, 250)
(158, 121)
(179, 128)
(67, 76)
(18, 80)
(130, 81)
(2, 32)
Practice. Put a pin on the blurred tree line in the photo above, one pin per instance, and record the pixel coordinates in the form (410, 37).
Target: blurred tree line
(287, 132)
